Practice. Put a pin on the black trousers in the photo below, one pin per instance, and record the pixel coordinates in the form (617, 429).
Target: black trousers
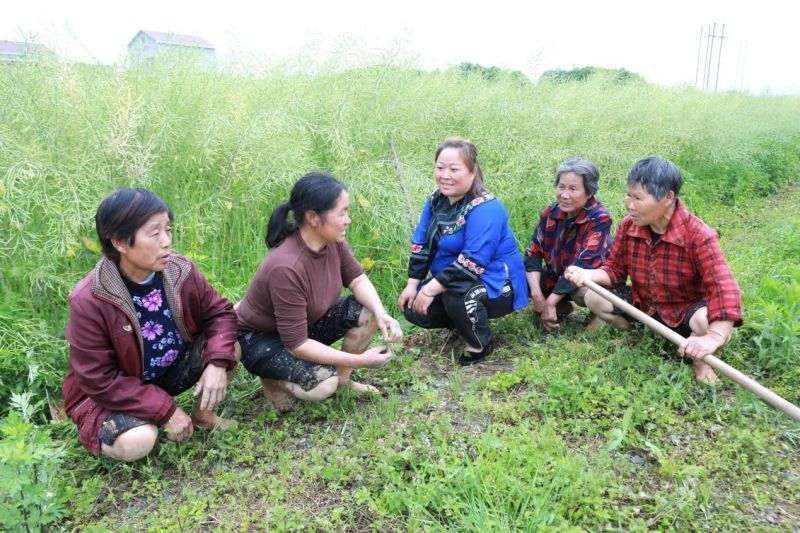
(466, 308)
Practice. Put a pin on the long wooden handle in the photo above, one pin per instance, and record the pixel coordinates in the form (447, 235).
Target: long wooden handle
(712, 361)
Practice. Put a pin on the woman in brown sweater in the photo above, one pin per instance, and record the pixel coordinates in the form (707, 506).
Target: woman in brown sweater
(293, 309)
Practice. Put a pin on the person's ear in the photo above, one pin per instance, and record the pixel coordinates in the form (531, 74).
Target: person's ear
(120, 245)
(312, 218)
(669, 197)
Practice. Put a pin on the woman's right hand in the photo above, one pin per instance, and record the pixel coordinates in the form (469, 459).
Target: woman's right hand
(577, 275)
(407, 297)
(538, 303)
(179, 427)
(375, 357)
(549, 317)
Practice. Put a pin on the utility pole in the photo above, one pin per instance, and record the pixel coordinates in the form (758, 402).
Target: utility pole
(742, 63)
(710, 47)
(708, 64)
(699, 49)
(719, 57)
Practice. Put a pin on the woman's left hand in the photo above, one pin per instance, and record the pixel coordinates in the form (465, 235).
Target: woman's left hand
(211, 387)
(697, 347)
(389, 327)
(421, 303)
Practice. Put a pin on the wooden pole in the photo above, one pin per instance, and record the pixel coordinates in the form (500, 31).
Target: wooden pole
(715, 363)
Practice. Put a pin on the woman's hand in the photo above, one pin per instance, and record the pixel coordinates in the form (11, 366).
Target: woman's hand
(422, 302)
(549, 317)
(697, 347)
(179, 427)
(577, 275)
(211, 387)
(375, 357)
(389, 327)
(407, 297)
(537, 303)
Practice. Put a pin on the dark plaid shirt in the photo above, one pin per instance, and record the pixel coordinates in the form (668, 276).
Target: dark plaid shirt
(685, 266)
(583, 241)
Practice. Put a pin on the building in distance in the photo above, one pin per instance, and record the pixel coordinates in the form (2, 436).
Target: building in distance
(20, 51)
(147, 46)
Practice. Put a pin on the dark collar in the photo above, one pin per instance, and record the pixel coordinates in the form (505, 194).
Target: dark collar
(583, 215)
(676, 228)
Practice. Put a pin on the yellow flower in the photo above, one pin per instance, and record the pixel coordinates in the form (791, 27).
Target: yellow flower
(91, 244)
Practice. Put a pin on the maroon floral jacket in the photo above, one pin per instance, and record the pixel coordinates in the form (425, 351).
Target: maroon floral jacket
(106, 346)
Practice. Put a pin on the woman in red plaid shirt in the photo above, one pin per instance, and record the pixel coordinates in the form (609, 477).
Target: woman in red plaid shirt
(574, 230)
(678, 273)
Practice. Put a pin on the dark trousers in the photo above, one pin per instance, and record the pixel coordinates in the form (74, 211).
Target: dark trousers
(468, 311)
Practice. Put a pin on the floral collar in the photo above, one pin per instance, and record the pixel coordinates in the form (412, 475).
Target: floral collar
(466, 207)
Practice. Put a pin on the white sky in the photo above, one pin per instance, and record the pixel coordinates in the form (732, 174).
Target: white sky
(657, 39)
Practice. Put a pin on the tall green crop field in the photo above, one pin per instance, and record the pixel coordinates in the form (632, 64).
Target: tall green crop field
(544, 440)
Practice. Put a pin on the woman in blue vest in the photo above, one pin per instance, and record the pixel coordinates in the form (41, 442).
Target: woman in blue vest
(465, 243)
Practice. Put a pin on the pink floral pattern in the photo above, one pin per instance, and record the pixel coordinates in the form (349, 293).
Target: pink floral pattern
(462, 216)
(169, 357)
(153, 301)
(151, 330)
(470, 265)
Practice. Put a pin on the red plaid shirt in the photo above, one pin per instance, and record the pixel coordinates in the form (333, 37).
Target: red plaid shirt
(584, 241)
(685, 266)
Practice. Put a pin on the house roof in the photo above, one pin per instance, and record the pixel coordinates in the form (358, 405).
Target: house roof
(20, 48)
(174, 38)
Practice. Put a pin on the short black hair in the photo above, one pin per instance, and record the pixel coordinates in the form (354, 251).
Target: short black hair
(122, 213)
(657, 176)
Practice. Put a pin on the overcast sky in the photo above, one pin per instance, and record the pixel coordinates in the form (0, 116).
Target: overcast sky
(658, 39)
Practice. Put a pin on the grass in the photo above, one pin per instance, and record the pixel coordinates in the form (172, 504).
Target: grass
(562, 432)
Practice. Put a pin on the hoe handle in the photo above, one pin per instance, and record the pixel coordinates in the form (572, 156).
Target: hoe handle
(717, 364)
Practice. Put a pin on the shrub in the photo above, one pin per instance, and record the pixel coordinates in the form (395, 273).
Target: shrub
(774, 325)
(32, 495)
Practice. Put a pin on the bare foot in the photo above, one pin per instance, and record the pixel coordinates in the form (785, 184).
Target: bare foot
(362, 387)
(593, 322)
(213, 422)
(281, 400)
(704, 373)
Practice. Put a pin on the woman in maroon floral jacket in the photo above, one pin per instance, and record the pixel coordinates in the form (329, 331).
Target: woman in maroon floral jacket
(144, 326)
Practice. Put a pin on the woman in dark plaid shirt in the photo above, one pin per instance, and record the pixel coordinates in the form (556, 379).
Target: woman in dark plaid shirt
(574, 230)
(678, 273)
